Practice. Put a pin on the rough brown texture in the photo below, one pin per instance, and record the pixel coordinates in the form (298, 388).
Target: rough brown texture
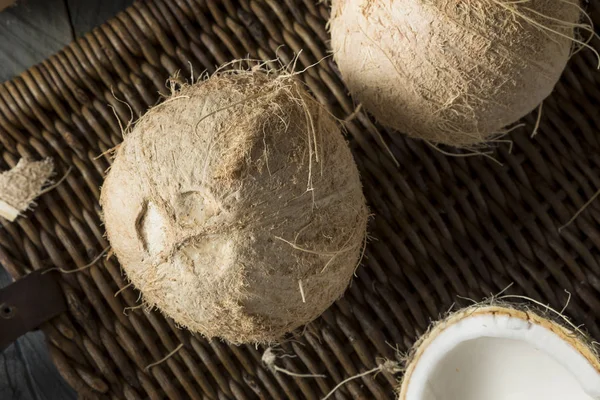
(236, 207)
(21, 185)
(574, 338)
(452, 72)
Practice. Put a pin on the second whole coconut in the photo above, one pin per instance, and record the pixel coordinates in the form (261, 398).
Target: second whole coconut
(452, 72)
(236, 207)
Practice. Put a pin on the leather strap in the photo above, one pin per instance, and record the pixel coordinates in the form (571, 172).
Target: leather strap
(27, 303)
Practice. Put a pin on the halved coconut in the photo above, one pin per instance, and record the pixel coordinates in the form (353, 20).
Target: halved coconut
(500, 353)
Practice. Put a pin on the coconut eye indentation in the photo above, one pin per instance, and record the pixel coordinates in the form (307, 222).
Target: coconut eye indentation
(211, 256)
(195, 208)
(152, 228)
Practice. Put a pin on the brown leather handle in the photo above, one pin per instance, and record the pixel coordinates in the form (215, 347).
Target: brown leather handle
(27, 303)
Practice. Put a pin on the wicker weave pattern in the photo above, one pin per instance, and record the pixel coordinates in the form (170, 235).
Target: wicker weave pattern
(444, 226)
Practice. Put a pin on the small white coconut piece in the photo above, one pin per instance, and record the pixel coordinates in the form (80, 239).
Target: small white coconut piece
(500, 353)
(20, 186)
(236, 207)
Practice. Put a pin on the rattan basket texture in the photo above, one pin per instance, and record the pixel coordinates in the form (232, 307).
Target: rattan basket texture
(443, 226)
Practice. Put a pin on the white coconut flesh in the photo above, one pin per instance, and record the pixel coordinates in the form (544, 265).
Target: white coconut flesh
(501, 354)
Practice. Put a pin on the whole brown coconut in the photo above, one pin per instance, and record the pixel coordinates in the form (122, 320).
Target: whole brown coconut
(450, 71)
(236, 207)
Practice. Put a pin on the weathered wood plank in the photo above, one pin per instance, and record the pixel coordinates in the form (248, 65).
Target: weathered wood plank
(31, 31)
(26, 369)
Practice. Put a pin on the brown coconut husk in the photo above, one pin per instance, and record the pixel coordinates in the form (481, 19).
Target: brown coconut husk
(236, 207)
(548, 318)
(454, 73)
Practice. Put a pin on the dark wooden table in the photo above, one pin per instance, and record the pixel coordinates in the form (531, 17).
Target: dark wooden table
(30, 32)
(33, 30)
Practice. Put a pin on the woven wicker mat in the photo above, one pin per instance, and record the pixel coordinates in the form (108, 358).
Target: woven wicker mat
(444, 226)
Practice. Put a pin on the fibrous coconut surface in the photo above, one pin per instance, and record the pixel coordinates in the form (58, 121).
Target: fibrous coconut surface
(236, 207)
(448, 71)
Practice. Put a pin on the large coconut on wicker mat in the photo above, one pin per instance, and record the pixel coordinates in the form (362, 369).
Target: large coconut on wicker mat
(236, 207)
(502, 353)
(452, 72)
